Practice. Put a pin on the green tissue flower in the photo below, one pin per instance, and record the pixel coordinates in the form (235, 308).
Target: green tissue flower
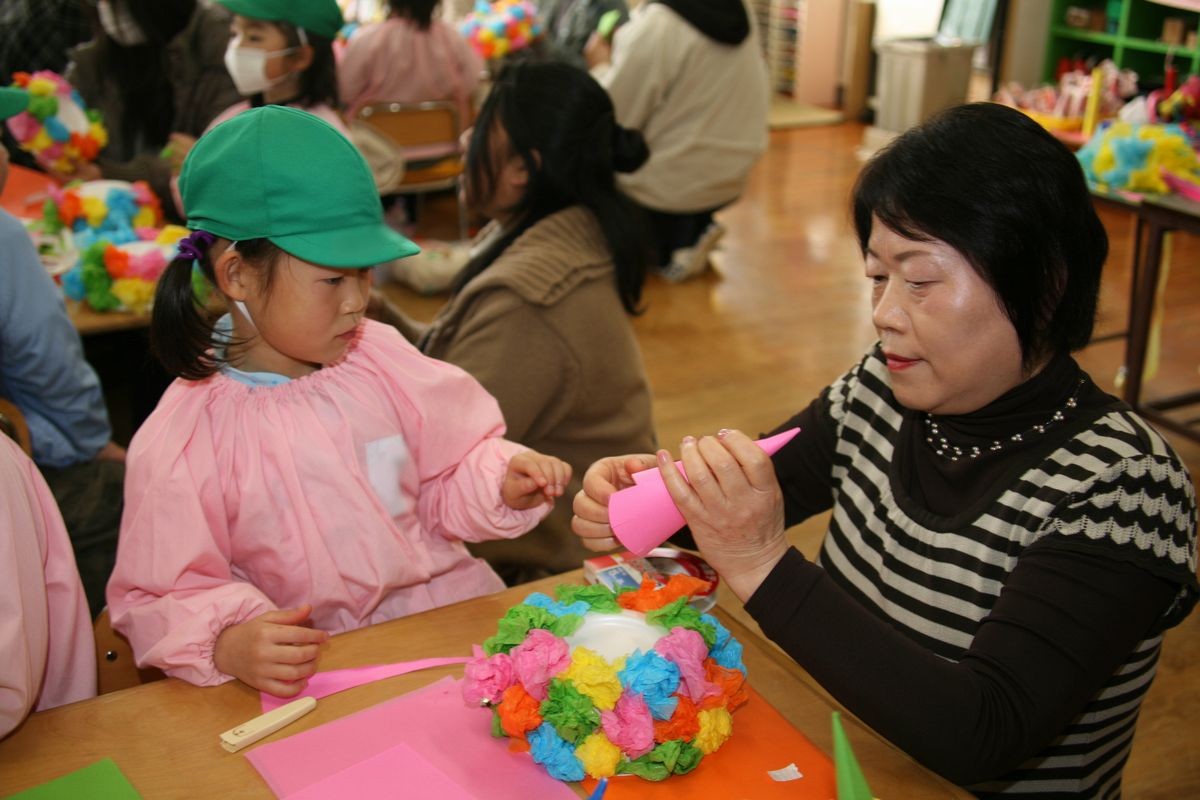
(679, 614)
(598, 596)
(41, 106)
(97, 284)
(516, 623)
(676, 756)
(571, 713)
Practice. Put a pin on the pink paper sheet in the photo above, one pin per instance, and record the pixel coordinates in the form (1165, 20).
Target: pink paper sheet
(435, 723)
(396, 772)
(333, 681)
(643, 516)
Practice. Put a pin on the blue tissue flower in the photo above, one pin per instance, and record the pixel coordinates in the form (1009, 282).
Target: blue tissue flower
(72, 282)
(557, 607)
(726, 651)
(56, 130)
(655, 679)
(556, 754)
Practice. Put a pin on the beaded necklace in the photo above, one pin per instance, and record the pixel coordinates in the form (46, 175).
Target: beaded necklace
(942, 447)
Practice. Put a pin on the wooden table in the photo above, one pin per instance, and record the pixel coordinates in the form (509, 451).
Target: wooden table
(90, 323)
(163, 735)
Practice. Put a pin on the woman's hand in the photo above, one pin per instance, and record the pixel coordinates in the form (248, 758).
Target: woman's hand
(600, 482)
(733, 505)
(273, 652)
(534, 478)
(83, 172)
(597, 51)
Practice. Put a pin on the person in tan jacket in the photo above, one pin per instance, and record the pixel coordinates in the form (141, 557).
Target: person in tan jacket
(540, 313)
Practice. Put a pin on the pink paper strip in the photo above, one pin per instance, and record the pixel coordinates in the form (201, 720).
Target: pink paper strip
(643, 516)
(435, 722)
(333, 681)
(398, 771)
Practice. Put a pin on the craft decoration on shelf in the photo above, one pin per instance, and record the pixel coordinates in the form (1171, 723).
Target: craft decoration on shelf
(600, 683)
(1180, 106)
(506, 26)
(117, 247)
(57, 128)
(1135, 158)
(643, 516)
(1063, 109)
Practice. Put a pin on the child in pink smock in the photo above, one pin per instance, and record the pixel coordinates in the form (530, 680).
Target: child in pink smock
(47, 657)
(409, 58)
(280, 53)
(309, 466)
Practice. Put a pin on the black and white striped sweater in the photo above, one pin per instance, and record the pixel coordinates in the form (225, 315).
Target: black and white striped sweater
(1007, 646)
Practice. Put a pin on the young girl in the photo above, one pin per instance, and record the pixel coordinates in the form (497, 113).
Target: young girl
(281, 53)
(540, 315)
(308, 465)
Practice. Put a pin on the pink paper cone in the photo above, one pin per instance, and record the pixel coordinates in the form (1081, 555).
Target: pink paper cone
(643, 516)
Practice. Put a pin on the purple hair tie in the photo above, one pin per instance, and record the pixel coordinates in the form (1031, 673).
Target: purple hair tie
(192, 246)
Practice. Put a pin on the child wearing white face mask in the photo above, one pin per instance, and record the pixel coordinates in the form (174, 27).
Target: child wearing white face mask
(153, 68)
(280, 53)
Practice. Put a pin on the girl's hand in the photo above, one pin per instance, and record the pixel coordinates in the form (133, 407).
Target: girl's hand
(82, 172)
(602, 479)
(273, 652)
(533, 479)
(733, 506)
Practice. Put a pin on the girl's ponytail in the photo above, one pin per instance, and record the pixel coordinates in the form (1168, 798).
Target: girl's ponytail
(181, 330)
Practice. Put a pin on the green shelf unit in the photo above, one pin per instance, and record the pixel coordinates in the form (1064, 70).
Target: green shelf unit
(1133, 45)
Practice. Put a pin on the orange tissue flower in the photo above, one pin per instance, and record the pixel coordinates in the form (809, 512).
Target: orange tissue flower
(683, 724)
(732, 683)
(70, 209)
(518, 711)
(116, 262)
(650, 596)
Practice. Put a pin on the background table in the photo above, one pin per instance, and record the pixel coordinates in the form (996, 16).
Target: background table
(163, 735)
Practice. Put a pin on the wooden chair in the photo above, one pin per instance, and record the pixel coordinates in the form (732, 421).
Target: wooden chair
(115, 667)
(12, 424)
(435, 125)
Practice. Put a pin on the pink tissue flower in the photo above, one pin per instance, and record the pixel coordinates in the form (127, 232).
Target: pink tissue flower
(486, 677)
(629, 725)
(147, 266)
(686, 648)
(23, 126)
(538, 659)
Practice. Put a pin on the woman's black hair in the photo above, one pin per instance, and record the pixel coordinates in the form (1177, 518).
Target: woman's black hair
(419, 11)
(994, 185)
(182, 333)
(559, 121)
(318, 83)
(141, 72)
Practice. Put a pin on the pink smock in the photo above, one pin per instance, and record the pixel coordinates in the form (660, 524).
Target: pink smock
(352, 489)
(47, 654)
(396, 61)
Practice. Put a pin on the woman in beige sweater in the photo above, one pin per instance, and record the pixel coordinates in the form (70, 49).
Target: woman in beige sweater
(540, 314)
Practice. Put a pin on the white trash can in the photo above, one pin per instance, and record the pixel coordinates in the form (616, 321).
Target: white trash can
(916, 78)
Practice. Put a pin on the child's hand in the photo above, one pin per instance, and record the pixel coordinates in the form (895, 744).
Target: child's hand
(177, 149)
(534, 478)
(273, 652)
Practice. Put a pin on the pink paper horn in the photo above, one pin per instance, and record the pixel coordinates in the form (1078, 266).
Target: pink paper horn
(643, 516)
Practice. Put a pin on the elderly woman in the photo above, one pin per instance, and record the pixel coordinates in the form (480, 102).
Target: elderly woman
(1008, 543)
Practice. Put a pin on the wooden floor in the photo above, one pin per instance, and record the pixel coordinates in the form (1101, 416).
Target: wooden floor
(788, 312)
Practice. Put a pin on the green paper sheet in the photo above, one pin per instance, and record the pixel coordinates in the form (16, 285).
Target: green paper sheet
(100, 781)
(851, 783)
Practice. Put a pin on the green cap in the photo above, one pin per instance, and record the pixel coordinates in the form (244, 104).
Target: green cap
(12, 101)
(322, 17)
(282, 174)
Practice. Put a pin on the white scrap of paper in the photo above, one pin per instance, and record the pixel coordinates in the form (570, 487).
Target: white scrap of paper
(788, 773)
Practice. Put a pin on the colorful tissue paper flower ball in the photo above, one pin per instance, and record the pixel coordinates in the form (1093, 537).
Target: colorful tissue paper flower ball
(57, 128)
(592, 686)
(497, 29)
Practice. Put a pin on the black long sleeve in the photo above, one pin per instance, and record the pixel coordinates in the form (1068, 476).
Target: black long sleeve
(1063, 623)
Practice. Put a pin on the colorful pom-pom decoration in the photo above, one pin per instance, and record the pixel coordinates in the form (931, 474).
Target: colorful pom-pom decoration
(591, 687)
(506, 26)
(117, 242)
(57, 128)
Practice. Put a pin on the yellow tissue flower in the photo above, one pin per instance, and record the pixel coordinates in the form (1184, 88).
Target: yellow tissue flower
(598, 756)
(144, 218)
(170, 234)
(99, 133)
(134, 293)
(41, 86)
(715, 727)
(593, 677)
(40, 141)
(95, 210)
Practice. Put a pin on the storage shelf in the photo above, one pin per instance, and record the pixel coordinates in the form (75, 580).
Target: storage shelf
(1134, 44)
